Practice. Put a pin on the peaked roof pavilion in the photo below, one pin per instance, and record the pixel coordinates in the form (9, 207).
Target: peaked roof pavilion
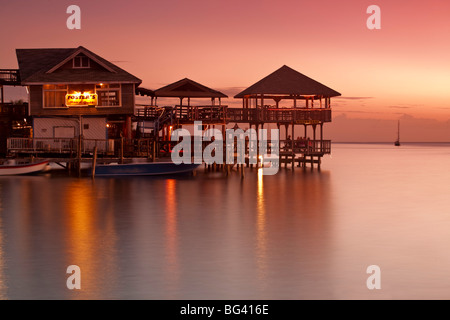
(287, 83)
(187, 88)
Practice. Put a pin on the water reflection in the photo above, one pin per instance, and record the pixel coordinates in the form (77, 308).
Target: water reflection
(171, 236)
(90, 237)
(2, 277)
(80, 233)
(261, 233)
(294, 235)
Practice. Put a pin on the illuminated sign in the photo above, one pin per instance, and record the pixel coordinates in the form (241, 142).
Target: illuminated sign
(79, 99)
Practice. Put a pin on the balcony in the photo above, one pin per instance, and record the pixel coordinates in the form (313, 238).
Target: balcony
(281, 115)
(9, 77)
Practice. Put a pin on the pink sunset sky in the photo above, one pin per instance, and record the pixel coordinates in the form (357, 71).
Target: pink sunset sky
(401, 72)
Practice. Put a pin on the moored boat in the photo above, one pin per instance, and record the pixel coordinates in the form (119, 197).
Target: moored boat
(144, 169)
(11, 167)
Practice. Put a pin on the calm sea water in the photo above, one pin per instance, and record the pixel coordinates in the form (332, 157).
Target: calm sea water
(295, 235)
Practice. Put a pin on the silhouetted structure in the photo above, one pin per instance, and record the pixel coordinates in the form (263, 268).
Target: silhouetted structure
(288, 84)
(80, 102)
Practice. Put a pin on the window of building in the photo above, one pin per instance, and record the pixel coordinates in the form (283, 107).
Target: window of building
(81, 95)
(54, 95)
(108, 95)
(81, 62)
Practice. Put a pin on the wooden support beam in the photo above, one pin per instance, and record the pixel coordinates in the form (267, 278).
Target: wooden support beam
(121, 149)
(94, 162)
(292, 146)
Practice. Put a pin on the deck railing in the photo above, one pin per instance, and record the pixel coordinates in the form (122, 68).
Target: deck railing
(9, 76)
(134, 147)
(209, 113)
(307, 146)
(41, 145)
(224, 114)
(72, 146)
(296, 115)
(148, 112)
(14, 110)
(58, 145)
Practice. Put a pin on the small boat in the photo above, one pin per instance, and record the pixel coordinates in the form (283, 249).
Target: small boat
(397, 142)
(144, 169)
(11, 167)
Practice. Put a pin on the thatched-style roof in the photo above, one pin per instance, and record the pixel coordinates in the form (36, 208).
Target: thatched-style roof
(37, 66)
(187, 88)
(288, 82)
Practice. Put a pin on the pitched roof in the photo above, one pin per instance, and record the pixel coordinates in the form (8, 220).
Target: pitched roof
(187, 88)
(42, 66)
(287, 81)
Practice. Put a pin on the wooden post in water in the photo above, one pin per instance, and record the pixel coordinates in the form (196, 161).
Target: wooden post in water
(292, 146)
(79, 156)
(314, 145)
(154, 151)
(94, 162)
(250, 164)
(121, 149)
(257, 146)
(321, 137)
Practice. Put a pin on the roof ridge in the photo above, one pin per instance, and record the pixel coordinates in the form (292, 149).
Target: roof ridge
(35, 62)
(175, 85)
(288, 81)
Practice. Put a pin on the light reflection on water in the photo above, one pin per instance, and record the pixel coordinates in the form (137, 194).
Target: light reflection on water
(172, 264)
(261, 234)
(294, 235)
(2, 276)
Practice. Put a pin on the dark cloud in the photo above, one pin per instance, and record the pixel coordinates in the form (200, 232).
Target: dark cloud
(359, 111)
(352, 98)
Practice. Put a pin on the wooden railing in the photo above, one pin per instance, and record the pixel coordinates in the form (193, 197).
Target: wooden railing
(296, 115)
(72, 147)
(320, 146)
(41, 145)
(61, 145)
(9, 77)
(206, 114)
(120, 148)
(223, 114)
(148, 112)
(183, 113)
(307, 146)
(14, 110)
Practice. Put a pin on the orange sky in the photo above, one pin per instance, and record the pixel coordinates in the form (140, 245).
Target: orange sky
(399, 72)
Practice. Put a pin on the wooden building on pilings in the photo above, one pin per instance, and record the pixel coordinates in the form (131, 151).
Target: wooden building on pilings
(264, 103)
(309, 110)
(310, 107)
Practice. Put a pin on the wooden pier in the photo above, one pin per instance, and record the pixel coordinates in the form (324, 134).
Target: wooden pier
(296, 105)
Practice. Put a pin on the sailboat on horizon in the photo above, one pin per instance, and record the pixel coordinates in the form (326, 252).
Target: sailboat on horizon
(397, 142)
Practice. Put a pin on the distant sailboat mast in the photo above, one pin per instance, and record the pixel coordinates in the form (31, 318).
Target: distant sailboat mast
(397, 142)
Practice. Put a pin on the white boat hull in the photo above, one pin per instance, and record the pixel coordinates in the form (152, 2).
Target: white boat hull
(20, 169)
